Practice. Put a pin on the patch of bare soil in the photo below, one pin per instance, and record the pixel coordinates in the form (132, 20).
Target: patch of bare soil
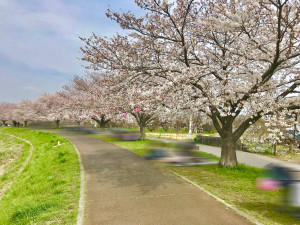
(9, 153)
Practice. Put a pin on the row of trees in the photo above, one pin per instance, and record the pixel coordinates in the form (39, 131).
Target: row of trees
(226, 59)
(94, 98)
(235, 61)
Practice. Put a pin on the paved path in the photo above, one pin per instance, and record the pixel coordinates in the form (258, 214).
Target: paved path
(247, 158)
(124, 189)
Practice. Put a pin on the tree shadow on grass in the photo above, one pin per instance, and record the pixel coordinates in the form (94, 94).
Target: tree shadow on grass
(276, 212)
(29, 213)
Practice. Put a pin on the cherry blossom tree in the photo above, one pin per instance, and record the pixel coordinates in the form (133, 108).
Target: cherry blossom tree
(283, 126)
(74, 101)
(108, 96)
(140, 101)
(23, 111)
(50, 107)
(73, 107)
(91, 98)
(6, 112)
(223, 58)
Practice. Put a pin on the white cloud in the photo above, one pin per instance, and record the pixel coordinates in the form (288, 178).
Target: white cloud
(39, 44)
(44, 33)
(41, 37)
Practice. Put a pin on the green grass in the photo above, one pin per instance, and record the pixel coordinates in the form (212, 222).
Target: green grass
(180, 131)
(209, 132)
(236, 186)
(136, 146)
(13, 152)
(47, 191)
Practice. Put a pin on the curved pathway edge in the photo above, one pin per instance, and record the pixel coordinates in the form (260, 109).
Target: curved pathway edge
(242, 213)
(81, 209)
(122, 188)
(250, 218)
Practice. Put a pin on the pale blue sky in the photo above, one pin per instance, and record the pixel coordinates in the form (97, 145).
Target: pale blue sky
(39, 44)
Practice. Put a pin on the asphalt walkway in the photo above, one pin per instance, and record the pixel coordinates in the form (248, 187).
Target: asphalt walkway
(247, 158)
(124, 189)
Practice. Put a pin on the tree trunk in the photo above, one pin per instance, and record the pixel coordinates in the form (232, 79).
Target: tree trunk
(25, 123)
(228, 154)
(190, 127)
(290, 147)
(142, 121)
(274, 150)
(165, 126)
(295, 126)
(143, 131)
(57, 124)
(103, 123)
(97, 121)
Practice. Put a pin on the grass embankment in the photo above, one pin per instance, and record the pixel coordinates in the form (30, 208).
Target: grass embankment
(47, 189)
(234, 185)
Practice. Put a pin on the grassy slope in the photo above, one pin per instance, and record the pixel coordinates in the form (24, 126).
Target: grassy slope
(13, 152)
(47, 191)
(236, 186)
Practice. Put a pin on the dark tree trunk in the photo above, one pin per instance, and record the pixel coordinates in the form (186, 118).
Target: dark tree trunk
(228, 153)
(142, 121)
(102, 122)
(224, 126)
(143, 132)
(229, 138)
(25, 123)
(57, 124)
